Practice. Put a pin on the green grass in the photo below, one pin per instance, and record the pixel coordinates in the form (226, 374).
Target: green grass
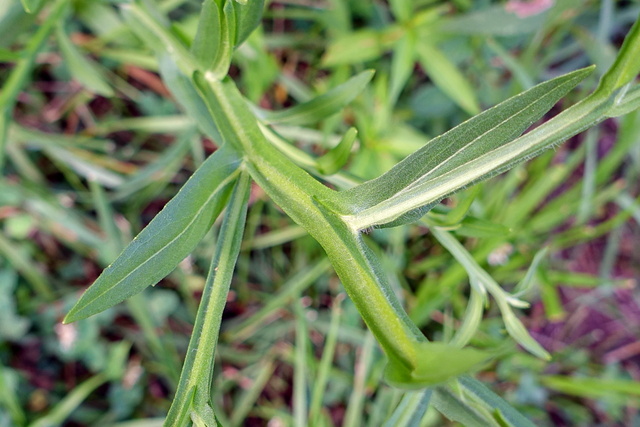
(93, 145)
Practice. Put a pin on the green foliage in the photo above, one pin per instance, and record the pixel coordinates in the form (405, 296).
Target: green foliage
(364, 125)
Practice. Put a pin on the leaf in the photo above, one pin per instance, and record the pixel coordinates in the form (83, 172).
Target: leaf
(182, 89)
(528, 281)
(31, 6)
(495, 21)
(157, 37)
(447, 77)
(593, 388)
(627, 64)
(322, 106)
(471, 320)
(21, 73)
(248, 17)
(411, 409)
(628, 102)
(80, 67)
(518, 332)
(436, 363)
(414, 185)
(209, 34)
(172, 234)
(402, 9)
(220, 66)
(458, 409)
(198, 366)
(492, 401)
(360, 46)
(337, 157)
(402, 63)
(478, 227)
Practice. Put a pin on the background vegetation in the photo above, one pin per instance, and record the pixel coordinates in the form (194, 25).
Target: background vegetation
(93, 145)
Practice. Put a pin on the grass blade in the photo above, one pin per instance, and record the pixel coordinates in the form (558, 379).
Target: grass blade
(447, 77)
(322, 106)
(492, 401)
(81, 68)
(20, 74)
(411, 409)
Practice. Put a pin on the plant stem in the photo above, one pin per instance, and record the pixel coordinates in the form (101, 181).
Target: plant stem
(195, 379)
(296, 192)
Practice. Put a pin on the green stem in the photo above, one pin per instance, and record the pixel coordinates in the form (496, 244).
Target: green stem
(195, 379)
(296, 192)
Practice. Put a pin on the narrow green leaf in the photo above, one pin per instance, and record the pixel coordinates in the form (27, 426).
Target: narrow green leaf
(402, 9)
(185, 93)
(158, 37)
(477, 227)
(438, 362)
(209, 34)
(447, 77)
(14, 22)
(227, 43)
(495, 21)
(593, 388)
(172, 234)
(457, 408)
(248, 17)
(360, 46)
(9, 398)
(337, 157)
(21, 73)
(62, 409)
(518, 332)
(328, 352)
(301, 369)
(322, 106)
(527, 282)
(627, 64)
(471, 321)
(425, 177)
(628, 102)
(492, 401)
(402, 63)
(80, 67)
(31, 6)
(411, 409)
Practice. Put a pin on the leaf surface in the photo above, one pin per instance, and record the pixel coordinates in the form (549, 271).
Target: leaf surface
(170, 237)
(322, 106)
(414, 185)
(248, 18)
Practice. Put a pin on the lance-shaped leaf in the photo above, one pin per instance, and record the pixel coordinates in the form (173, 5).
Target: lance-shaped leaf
(414, 185)
(170, 237)
(182, 89)
(84, 70)
(446, 75)
(337, 157)
(207, 41)
(322, 106)
(248, 16)
(627, 64)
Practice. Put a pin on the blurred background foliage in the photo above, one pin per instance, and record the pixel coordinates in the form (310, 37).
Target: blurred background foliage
(93, 145)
